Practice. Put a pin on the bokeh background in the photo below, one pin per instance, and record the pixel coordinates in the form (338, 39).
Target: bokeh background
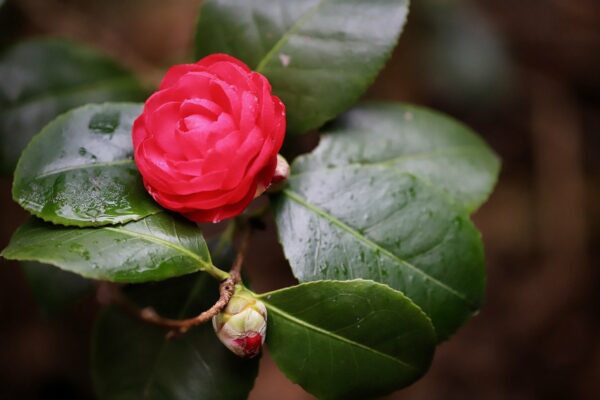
(524, 74)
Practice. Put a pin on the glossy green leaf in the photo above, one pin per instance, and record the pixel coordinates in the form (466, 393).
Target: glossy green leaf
(373, 202)
(342, 340)
(43, 78)
(54, 289)
(319, 55)
(392, 136)
(80, 171)
(134, 360)
(158, 247)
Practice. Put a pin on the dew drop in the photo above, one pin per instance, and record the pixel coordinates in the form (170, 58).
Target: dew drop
(104, 122)
(80, 250)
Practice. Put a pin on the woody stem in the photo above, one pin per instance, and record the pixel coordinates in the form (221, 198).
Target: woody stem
(111, 294)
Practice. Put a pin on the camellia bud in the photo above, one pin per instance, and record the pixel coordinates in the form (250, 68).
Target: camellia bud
(282, 172)
(242, 325)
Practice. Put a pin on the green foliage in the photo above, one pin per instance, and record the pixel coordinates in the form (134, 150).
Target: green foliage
(54, 289)
(463, 56)
(319, 55)
(158, 247)
(134, 360)
(43, 78)
(375, 222)
(79, 170)
(372, 201)
(435, 148)
(342, 340)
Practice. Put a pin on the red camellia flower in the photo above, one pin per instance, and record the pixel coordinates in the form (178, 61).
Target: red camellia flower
(206, 143)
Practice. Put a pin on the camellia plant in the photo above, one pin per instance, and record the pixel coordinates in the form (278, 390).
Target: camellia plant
(374, 221)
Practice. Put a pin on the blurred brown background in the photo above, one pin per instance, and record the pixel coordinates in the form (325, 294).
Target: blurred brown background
(524, 74)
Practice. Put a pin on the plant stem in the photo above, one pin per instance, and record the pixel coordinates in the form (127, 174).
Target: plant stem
(111, 294)
(236, 267)
(217, 273)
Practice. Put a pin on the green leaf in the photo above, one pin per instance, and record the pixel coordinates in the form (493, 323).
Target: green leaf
(158, 247)
(392, 136)
(133, 360)
(43, 78)
(54, 289)
(80, 171)
(319, 55)
(359, 207)
(342, 340)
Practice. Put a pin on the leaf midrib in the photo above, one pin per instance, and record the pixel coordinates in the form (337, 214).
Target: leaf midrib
(287, 34)
(162, 242)
(334, 336)
(84, 166)
(376, 247)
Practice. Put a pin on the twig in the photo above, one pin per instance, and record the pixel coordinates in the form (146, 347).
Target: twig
(236, 267)
(109, 293)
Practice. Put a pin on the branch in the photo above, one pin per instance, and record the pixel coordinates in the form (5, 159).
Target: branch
(236, 267)
(109, 293)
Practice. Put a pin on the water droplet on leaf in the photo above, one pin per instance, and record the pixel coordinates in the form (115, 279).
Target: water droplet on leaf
(104, 122)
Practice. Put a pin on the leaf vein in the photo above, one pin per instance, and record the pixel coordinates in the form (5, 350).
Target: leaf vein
(369, 243)
(332, 335)
(286, 36)
(85, 166)
(161, 242)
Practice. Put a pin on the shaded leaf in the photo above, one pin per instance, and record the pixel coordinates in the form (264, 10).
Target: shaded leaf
(133, 360)
(80, 171)
(319, 55)
(54, 289)
(158, 247)
(465, 59)
(353, 339)
(45, 77)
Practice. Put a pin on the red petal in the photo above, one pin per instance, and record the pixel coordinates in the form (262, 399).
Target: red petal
(219, 57)
(176, 72)
(163, 125)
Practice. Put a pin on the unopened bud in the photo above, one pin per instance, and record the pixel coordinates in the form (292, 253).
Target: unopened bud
(282, 173)
(282, 170)
(242, 325)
